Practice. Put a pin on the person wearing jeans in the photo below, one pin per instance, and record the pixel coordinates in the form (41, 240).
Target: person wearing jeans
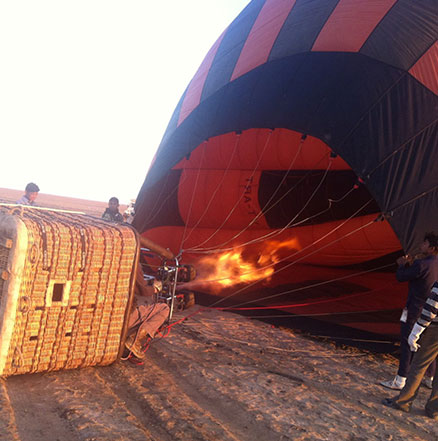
(421, 274)
(426, 352)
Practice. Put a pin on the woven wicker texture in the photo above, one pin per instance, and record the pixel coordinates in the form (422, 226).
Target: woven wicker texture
(4, 256)
(73, 294)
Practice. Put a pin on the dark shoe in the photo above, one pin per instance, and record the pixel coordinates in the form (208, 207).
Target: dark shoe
(390, 402)
(430, 414)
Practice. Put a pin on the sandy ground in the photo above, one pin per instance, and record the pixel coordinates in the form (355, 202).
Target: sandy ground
(217, 376)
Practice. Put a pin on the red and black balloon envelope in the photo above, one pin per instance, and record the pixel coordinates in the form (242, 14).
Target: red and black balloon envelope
(301, 159)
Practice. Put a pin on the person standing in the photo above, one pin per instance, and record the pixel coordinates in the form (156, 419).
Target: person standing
(112, 212)
(129, 213)
(421, 274)
(427, 327)
(31, 193)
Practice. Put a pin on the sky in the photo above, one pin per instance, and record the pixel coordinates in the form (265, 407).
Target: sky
(87, 88)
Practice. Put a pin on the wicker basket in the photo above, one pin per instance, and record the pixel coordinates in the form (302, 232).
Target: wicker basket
(66, 283)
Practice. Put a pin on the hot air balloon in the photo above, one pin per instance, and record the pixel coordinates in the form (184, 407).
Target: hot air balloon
(299, 161)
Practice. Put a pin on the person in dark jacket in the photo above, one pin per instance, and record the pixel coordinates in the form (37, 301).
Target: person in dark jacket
(427, 327)
(421, 273)
(112, 213)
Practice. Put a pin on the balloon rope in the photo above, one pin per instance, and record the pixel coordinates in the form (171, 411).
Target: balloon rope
(301, 288)
(272, 233)
(368, 110)
(294, 254)
(329, 206)
(165, 331)
(157, 199)
(314, 285)
(291, 222)
(286, 258)
(263, 211)
(155, 211)
(241, 196)
(233, 154)
(401, 147)
(415, 198)
(304, 249)
(193, 196)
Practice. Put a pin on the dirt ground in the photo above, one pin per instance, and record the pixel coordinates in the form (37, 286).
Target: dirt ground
(217, 376)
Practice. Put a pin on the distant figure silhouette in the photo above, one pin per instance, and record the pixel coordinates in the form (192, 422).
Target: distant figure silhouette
(31, 193)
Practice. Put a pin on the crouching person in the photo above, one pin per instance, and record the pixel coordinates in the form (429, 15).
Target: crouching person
(147, 316)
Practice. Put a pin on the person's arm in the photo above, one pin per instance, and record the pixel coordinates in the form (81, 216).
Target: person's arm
(430, 308)
(412, 272)
(154, 247)
(428, 314)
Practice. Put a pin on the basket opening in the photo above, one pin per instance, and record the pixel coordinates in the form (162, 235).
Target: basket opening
(58, 292)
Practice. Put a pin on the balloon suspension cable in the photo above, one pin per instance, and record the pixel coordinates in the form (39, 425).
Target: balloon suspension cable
(264, 210)
(218, 187)
(243, 192)
(400, 148)
(165, 330)
(193, 194)
(290, 224)
(155, 211)
(304, 249)
(315, 314)
(293, 254)
(168, 328)
(410, 201)
(217, 248)
(346, 140)
(314, 285)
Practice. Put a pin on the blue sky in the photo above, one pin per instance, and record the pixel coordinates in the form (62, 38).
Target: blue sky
(87, 87)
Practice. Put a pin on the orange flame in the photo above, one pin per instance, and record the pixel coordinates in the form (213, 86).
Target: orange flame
(241, 267)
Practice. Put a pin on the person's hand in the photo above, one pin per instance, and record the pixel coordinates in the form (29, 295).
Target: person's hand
(403, 260)
(413, 345)
(414, 337)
